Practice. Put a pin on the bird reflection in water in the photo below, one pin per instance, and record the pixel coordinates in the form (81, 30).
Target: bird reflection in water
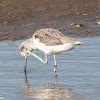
(48, 91)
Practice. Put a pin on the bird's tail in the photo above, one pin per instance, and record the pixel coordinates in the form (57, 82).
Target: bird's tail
(78, 42)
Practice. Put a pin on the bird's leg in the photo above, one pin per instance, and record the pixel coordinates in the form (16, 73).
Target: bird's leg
(25, 64)
(26, 81)
(46, 59)
(55, 79)
(55, 64)
(55, 60)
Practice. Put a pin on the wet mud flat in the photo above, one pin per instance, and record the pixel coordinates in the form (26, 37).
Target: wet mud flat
(20, 19)
(78, 73)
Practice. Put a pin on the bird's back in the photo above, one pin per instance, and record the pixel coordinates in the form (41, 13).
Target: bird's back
(51, 37)
(49, 32)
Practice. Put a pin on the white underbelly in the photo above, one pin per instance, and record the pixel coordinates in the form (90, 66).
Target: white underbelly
(53, 49)
(59, 49)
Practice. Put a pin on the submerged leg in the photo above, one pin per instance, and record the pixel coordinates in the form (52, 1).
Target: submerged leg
(55, 78)
(26, 82)
(55, 64)
(25, 64)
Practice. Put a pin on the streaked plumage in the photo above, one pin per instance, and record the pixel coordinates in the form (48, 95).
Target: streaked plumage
(26, 47)
(51, 37)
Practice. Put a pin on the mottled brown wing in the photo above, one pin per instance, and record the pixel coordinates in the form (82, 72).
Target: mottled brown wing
(68, 40)
(49, 40)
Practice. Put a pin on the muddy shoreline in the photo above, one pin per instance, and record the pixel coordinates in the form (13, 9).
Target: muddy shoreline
(20, 19)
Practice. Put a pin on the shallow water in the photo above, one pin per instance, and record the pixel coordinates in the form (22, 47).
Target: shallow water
(78, 74)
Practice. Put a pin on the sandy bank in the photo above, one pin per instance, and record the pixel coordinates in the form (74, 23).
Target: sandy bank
(21, 18)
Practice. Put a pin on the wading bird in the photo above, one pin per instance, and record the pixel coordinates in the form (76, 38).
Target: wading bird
(48, 40)
(51, 41)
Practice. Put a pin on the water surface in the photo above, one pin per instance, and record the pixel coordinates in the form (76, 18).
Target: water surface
(78, 74)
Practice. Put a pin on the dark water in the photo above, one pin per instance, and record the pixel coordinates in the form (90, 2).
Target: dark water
(78, 74)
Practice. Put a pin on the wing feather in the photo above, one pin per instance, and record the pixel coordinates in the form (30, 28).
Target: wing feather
(48, 39)
(51, 37)
(69, 40)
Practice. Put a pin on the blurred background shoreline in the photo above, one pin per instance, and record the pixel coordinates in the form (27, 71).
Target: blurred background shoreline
(19, 19)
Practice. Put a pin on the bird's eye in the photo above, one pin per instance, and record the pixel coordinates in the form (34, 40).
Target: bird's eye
(22, 48)
(35, 36)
